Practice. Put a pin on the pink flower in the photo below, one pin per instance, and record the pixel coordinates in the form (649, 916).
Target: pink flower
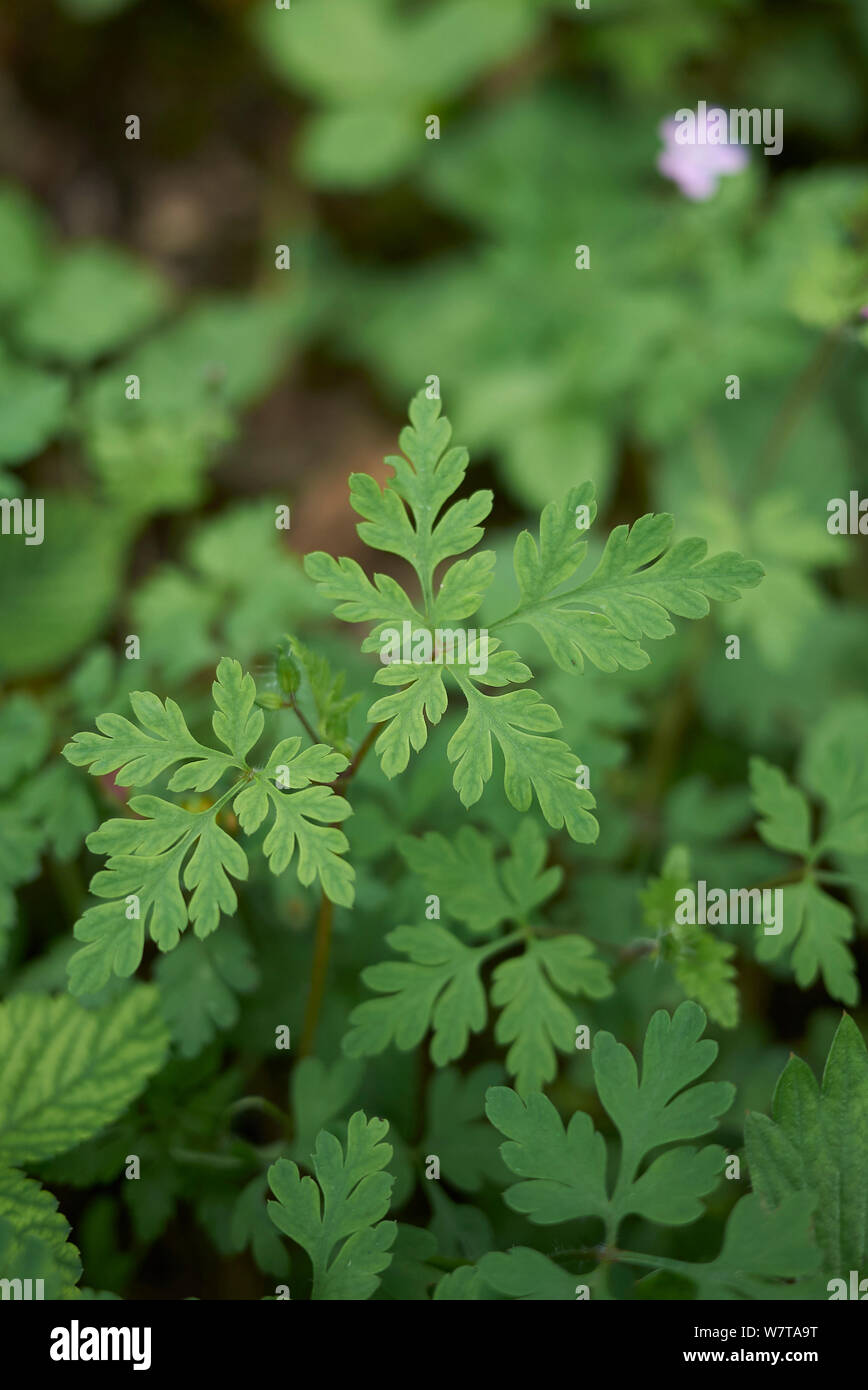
(696, 166)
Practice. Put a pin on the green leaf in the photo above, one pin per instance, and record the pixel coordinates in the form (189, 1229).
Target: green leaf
(424, 654)
(439, 987)
(25, 736)
(816, 926)
(762, 1253)
(337, 1219)
(417, 57)
(702, 962)
(816, 929)
(637, 583)
(23, 246)
(476, 889)
(535, 1020)
(519, 722)
(32, 407)
(199, 987)
(68, 1072)
(138, 755)
(564, 1171)
(407, 518)
(461, 1285)
(816, 1143)
(409, 1275)
(251, 1228)
(527, 1274)
(33, 1236)
(319, 1094)
(835, 767)
(786, 822)
(150, 858)
(90, 302)
(59, 593)
(456, 1130)
(142, 880)
(237, 722)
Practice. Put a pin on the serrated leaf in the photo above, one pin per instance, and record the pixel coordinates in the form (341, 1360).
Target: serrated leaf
(438, 986)
(702, 962)
(147, 860)
(476, 889)
(33, 1236)
(532, 763)
(337, 1218)
(816, 1144)
(535, 1020)
(637, 583)
(68, 1072)
(150, 858)
(564, 1171)
(786, 822)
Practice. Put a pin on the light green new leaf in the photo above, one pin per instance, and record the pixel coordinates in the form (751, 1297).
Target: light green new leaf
(237, 721)
(139, 755)
(298, 821)
(407, 713)
(531, 762)
(701, 961)
(170, 845)
(142, 880)
(68, 1071)
(817, 1143)
(337, 1219)
(630, 593)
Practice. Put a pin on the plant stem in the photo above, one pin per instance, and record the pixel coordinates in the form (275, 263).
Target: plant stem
(361, 754)
(318, 972)
(303, 720)
(323, 938)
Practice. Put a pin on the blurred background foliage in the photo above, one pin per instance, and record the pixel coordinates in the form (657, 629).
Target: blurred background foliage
(259, 386)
